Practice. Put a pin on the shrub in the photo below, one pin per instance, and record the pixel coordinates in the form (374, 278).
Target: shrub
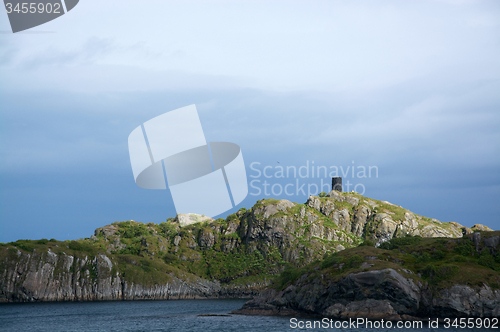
(132, 249)
(25, 245)
(424, 258)
(438, 255)
(288, 276)
(322, 194)
(330, 260)
(42, 241)
(79, 246)
(486, 259)
(146, 265)
(397, 242)
(459, 259)
(136, 230)
(465, 248)
(386, 246)
(166, 228)
(170, 258)
(367, 243)
(354, 262)
(439, 273)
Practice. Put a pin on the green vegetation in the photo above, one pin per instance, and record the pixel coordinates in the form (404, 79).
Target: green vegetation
(438, 273)
(129, 229)
(288, 277)
(466, 248)
(26, 245)
(144, 271)
(439, 262)
(80, 246)
(367, 243)
(354, 262)
(395, 243)
(331, 260)
(223, 250)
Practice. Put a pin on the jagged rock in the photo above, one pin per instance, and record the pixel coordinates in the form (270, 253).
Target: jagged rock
(327, 208)
(342, 219)
(229, 244)
(476, 237)
(206, 239)
(284, 205)
(378, 294)
(463, 300)
(271, 209)
(372, 203)
(107, 231)
(492, 243)
(311, 217)
(302, 212)
(383, 228)
(335, 195)
(432, 231)
(314, 202)
(361, 216)
(191, 242)
(185, 219)
(479, 227)
(351, 200)
(317, 230)
(231, 228)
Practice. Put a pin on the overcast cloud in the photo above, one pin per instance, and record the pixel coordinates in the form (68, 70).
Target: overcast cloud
(411, 87)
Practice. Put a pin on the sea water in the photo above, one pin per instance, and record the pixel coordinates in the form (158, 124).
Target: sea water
(174, 315)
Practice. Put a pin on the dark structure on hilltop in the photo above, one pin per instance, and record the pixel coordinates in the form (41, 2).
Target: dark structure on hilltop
(337, 183)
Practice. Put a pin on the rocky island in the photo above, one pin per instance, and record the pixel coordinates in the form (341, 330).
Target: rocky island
(339, 255)
(410, 277)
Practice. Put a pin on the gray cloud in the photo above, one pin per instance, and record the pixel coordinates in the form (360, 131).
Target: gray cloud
(91, 50)
(409, 87)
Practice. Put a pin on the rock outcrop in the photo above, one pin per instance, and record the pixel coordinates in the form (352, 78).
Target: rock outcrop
(51, 277)
(194, 256)
(185, 219)
(417, 278)
(375, 294)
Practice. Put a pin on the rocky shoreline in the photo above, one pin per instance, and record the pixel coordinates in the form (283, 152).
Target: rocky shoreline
(48, 277)
(384, 294)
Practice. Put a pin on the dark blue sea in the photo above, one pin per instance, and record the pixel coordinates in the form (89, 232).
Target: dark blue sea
(181, 315)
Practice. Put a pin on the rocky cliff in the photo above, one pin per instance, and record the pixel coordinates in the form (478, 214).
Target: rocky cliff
(417, 278)
(235, 257)
(46, 276)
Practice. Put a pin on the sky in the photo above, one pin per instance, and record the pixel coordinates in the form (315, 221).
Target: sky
(409, 88)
